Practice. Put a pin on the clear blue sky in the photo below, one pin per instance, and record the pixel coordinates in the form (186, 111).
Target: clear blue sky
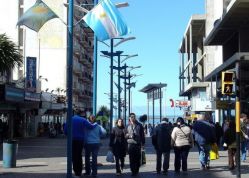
(158, 27)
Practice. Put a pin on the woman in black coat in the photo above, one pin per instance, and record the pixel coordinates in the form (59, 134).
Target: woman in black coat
(118, 145)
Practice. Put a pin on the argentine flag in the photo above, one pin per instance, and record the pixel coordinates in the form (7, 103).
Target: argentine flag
(106, 21)
(36, 16)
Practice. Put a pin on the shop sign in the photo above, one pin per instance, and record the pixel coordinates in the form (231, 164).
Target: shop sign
(14, 94)
(32, 96)
(183, 104)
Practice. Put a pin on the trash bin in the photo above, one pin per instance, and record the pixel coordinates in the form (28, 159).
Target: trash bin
(9, 153)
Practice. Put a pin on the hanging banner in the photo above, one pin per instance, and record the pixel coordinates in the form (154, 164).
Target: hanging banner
(30, 74)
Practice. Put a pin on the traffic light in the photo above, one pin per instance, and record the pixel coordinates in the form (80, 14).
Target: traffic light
(227, 83)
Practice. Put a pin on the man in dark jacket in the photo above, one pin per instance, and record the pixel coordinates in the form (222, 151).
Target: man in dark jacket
(136, 140)
(161, 140)
(78, 135)
(204, 134)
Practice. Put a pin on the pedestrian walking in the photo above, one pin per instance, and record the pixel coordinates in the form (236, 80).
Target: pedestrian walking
(92, 144)
(218, 133)
(182, 141)
(204, 134)
(136, 140)
(244, 137)
(118, 145)
(161, 140)
(79, 124)
(230, 142)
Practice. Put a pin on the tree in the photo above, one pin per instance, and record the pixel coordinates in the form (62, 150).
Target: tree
(10, 56)
(103, 111)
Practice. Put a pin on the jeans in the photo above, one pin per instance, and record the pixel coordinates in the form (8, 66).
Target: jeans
(243, 150)
(204, 154)
(166, 156)
(91, 149)
(181, 157)
(77, 147)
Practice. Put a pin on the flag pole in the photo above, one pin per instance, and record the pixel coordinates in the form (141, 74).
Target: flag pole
(95, 71)
(69, 87)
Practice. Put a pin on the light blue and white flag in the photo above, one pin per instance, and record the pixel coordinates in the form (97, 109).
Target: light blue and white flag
(106, 21)
(36, 16)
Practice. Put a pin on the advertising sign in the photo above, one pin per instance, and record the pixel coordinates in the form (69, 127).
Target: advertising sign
(30, 74)
(183, 104)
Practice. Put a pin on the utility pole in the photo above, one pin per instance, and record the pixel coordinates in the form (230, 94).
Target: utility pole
(237, 112)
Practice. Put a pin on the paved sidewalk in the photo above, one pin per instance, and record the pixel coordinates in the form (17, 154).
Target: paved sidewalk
(46, 157)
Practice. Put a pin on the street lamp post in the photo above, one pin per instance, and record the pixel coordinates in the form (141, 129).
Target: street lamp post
(111, 54)
(69, 87)
(95, 69)
(125, 77)
(125, 67)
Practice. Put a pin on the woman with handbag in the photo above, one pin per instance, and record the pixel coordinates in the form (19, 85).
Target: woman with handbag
(182, 141)
(118, 145)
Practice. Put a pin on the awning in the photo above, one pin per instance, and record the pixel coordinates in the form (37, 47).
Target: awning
(235, 18)
(151, 87)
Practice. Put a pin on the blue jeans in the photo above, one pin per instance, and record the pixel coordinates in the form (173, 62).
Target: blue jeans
(243, 150)
(91, 149)
(204, 154)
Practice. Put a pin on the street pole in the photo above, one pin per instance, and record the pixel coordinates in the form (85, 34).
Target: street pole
(129, 92)
(153, 108)
(69, 87)
(237, 112)
(119, 102)
(111, 87)
(95, 71)
(125, 94)
(160, 103)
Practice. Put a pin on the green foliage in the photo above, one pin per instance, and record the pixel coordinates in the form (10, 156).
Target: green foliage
(9, 54)
(103, 111)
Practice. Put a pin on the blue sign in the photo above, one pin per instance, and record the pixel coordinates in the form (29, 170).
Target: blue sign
(14, 94)
(31, 74)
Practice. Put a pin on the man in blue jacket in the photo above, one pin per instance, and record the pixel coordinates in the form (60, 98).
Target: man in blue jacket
(204, 134)
(79, 124)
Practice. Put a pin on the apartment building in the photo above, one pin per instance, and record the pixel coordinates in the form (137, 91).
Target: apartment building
(193, 67)
(49, 49)
(229, 29)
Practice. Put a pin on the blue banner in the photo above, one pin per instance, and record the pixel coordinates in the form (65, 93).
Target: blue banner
(31, 74)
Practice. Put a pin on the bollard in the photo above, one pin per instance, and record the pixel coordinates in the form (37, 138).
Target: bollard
(9, 153)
